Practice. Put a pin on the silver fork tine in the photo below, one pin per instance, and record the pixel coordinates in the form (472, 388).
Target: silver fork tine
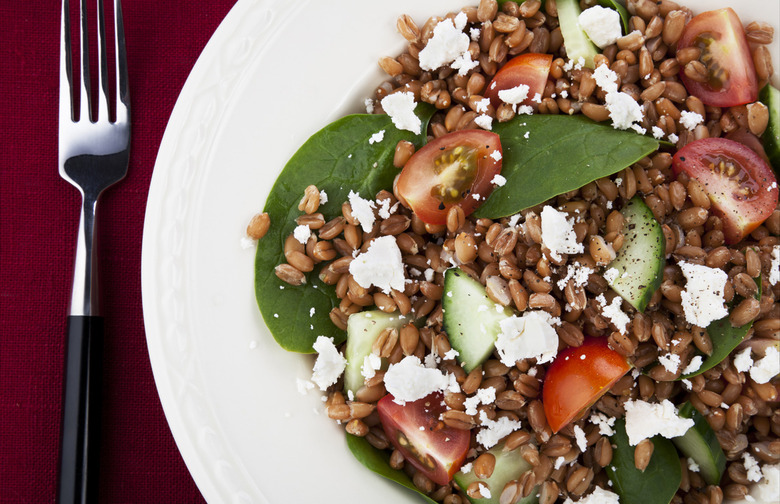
(66, 67)
(84, 45)
(123, 98)
(102, 114)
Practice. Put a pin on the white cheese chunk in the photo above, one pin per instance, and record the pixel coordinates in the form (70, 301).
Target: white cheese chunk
(614, 312)
(527, 337)
(690, 119)
(484, 121)
(768, 490)
(409, 380)
(381, 266)
(774, 266)
(580, 438)
(743, 360)
(601, 25)
(598, 496)
(694, 365)
(604, 422)
(447, 44)
(329, 365)
(362, 210)
(400, 107)
(767, 367)
(493, 431)
(371, 363)
(645, 420)
(670, 362)
(377, 137)
(702, 299)
(481, 396)
(498, 179)
(514, 95)
(751, 467)
(302, 233)
(558, 233)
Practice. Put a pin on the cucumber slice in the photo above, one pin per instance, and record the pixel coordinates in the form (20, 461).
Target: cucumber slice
(770, 96)
(701, 444)
(576, 42)
(640, 261)
(509, 466)
(471, 319)
(362, 330)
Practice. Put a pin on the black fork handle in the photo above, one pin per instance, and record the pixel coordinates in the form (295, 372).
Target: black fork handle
(80, 443)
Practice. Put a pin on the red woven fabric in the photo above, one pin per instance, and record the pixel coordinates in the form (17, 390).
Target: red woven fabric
(38, 220)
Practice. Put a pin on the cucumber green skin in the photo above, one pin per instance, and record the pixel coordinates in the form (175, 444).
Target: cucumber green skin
(701, 444)
(362, 330)
(575, 40)
(770, 96)
(509, 466)
(642, 255)
(464, 324)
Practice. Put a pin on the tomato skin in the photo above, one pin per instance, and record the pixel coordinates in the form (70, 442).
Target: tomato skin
(729, 50)
(531, 69)
(742, 201)
(426, 442)
(418, 177)
(577, 378)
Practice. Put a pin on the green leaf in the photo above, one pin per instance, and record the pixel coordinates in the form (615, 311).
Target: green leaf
(337, 159)
(548, 155)
(379, 462)
(725, 339)
(624, 15)
(660, 480)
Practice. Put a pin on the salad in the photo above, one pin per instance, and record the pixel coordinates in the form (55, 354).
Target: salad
(544, 266)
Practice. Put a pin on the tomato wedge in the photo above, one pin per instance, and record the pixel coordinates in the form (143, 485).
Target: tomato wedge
(741, 185)
(730, 73)
(425, 441)
(531, 69)
(456, 169)
(577, 378)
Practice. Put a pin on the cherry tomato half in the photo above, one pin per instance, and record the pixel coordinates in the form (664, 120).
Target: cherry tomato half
(530, 69)
(577, 378)
(425, 441)
(456, 169)
(740, 184)
(730, 73)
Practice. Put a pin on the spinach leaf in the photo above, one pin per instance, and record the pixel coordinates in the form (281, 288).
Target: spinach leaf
(624, 15)
(337, 159)
(657, 484)
(379, 462)
(548, 155)
(724, 337)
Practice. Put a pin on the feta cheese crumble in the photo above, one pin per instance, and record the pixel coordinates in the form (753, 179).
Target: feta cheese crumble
(645, 420)
(362, 210)
(371, 363)
(527, 337)
(449, 44)
(694, 365)
(381, 265)
(702, 299)
(601, 25)
(558, 233)
(598, 496)
(498, 179)
(743, 360)
(614, 312)
(690, 119)
(767, 367)
(377, 137)
(580, 438)
(623, 109)
(330, 364)
(400, 108)
(409, 380)
(768, 489)
(670, 362)
(774, 267)
(515, 95)
(484, 121)
(494, 431)
(302, 233)
(604, 422)
(481, 396)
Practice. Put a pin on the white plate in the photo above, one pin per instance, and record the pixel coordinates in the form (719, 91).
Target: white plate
(274, 72)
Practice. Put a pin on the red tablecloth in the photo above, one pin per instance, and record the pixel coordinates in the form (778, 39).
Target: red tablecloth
(38, 220)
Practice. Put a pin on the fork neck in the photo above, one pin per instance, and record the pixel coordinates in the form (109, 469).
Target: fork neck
(85, 299)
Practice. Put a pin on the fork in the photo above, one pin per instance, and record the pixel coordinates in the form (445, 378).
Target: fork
(93, 155)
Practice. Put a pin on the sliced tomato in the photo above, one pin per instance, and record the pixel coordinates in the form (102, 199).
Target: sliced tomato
(741, 185)
(748, 139)
(577, 378)
(731, 75)
(531, 69)
(456, 169)
(425, 441)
